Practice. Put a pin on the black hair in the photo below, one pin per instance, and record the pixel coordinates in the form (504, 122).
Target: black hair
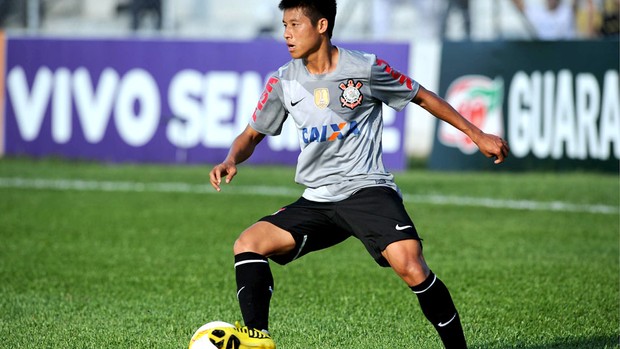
(315, 10)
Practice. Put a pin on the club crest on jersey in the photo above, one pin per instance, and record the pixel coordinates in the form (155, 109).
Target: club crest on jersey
(351, 95)
(321, 97)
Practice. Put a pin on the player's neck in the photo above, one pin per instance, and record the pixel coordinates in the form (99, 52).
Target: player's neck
(323, 61)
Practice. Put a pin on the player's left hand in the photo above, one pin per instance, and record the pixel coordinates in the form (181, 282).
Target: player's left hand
(226, 169)
(493, 146)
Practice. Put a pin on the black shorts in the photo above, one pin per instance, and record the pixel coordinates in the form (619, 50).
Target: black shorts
(376, 216)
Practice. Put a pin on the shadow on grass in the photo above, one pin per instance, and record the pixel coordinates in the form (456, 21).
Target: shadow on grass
(599, 342)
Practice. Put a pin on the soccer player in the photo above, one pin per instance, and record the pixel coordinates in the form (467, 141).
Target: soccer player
(334, 96)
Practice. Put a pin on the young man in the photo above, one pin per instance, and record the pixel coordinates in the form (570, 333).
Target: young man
(348, 190)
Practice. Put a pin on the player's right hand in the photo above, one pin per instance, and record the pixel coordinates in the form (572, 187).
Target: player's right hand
(225, 169)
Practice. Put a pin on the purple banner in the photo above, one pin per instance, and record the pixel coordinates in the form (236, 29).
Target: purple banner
(153, 100)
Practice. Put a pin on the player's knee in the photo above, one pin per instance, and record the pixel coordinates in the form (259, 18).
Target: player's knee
(408, 268)
(412, 270)
(243, 244)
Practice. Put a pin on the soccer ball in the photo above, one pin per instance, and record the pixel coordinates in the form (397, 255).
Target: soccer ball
(200, 340)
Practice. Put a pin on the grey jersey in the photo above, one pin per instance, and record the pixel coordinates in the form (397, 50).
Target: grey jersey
(338, 119)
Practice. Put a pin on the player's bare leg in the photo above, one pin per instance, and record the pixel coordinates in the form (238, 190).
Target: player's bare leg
(265, 239)
(407, 260)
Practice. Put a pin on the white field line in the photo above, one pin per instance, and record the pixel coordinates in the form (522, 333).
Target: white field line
(176, 187)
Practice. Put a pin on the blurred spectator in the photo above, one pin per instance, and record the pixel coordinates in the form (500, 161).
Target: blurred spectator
(610, 27)
(6, 9)
(587, 19)
(17, 11)
(463, 8)
(139, 9)
(553, 21)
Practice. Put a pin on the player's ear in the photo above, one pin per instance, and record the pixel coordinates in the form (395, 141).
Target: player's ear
(322, 25)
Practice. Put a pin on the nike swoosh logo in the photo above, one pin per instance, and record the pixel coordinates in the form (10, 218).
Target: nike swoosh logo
(444, 324)
(239, 292)
(398, 227)
(295, 103)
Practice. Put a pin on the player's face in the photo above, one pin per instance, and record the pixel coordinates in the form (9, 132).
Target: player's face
(302, 38)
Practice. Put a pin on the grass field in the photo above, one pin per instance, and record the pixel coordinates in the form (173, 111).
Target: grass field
(126, 256)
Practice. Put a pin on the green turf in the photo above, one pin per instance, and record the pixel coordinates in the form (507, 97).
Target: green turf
(144, 269)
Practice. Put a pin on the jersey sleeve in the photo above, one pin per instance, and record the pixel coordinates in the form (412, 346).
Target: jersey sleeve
(270, 114)
(390, 86)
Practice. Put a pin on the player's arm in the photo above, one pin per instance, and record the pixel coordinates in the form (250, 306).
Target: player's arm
(241, 149)
(490, 145)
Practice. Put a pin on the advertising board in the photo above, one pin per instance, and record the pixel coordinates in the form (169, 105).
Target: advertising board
(557, 104)
(153, 100)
